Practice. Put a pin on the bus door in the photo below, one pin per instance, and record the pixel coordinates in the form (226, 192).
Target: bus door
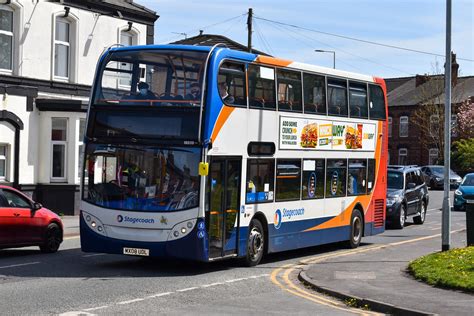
(222, 216)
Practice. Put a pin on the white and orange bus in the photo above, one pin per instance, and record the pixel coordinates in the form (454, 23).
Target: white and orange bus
(207, 153)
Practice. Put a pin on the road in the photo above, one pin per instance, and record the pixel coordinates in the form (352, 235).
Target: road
(75, 283)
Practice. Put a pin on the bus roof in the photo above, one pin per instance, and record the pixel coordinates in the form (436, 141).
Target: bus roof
(271, 61)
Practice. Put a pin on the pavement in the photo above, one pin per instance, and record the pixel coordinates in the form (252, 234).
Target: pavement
(379, 279)
(71, 225)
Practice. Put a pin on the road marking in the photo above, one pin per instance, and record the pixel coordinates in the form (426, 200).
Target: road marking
(159, 294)
(319, 299)
(188, 289)
(95, 308)
(131, 301)
(19, 265)
(84, 311)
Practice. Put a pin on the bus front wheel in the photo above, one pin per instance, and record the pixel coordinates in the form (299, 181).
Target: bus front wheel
(255, 243)
(357, 228)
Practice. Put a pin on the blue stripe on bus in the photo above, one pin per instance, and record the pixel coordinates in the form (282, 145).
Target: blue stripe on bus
(189, 247)
(214, 103)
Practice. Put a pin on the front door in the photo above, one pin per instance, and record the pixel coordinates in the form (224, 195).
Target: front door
(222, 216)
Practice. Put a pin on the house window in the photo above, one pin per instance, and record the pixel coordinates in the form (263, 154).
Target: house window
(403, 126)
(126, 39)
(433, 156)
(434, 125)
(389, 126)
(402, 156)
(62, 48)
(80, 151)
(6, 39)
(3, 162)
(58, 149)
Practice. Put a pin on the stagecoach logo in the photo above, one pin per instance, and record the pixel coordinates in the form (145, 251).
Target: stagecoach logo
(135, 220)
(277, 219)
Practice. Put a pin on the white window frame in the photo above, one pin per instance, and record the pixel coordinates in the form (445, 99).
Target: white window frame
(59, 143)
(433, 153)
(62, 43)
(80, 143)
(133, 35)
(390, 126)
(12, 35)
(404, 121)
(4, 157)
(402, 152)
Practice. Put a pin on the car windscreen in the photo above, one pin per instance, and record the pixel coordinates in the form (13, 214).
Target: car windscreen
(468, 180)
(151, 78)
(394, 180)
(142, 178)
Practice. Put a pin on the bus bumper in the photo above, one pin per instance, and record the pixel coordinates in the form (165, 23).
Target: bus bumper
(189, 247)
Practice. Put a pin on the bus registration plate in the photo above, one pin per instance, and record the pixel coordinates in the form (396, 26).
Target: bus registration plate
(136, 252)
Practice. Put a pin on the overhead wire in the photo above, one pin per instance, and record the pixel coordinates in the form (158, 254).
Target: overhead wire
(356, 39)
(262, 39)
(343, 51)
(169, 39)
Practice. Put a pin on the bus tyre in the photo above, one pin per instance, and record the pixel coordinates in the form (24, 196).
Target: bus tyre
(357, 228)
(52, 239)
(255, 243)
(420, 219)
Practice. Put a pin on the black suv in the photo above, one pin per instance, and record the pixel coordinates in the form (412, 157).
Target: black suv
(407, 195)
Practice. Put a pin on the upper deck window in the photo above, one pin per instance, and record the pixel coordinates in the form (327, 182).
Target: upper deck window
(289, 91)
(358, 100)
(261, 87)
(151, 78)
(337, 97)
(231, 83)
(376, 103)
(314, 94)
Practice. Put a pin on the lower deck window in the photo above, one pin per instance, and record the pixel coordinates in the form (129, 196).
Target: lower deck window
(260, 180)
(356, 180)
(313, 179)
(288, 179)
(336, 177)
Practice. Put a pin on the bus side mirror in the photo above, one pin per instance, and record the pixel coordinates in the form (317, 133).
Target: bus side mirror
(203, 168)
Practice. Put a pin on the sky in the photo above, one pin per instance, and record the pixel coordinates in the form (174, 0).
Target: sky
(413, 24)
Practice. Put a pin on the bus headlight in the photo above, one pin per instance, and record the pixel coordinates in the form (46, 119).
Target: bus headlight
(94, 223)
(182, 229)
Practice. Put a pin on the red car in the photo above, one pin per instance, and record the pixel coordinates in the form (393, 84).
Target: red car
(23, 222)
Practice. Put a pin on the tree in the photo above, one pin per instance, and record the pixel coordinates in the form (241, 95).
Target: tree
(463, 156)
(465, 119)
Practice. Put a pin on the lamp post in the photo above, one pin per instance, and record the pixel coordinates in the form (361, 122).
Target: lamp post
(328, 51)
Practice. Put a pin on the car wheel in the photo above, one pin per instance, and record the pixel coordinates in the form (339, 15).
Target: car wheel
(420, 219)
(400, 221)
(53, 239)
(357, 228)
(255, 243)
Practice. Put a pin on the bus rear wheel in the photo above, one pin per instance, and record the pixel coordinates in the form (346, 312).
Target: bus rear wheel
(255, 243)
(357, 228)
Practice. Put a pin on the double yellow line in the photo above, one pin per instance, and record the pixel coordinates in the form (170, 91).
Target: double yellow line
(313, 296)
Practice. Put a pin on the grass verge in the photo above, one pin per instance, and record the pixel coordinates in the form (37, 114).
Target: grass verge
(449, 269)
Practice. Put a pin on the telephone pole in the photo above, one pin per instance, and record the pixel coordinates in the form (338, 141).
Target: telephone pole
(249, 28)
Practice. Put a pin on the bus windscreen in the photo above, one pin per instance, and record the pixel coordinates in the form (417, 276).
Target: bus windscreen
(151, 78)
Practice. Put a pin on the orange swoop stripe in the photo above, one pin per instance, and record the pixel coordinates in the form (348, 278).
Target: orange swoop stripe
(344, 218)
(273, 61)
(223, 116)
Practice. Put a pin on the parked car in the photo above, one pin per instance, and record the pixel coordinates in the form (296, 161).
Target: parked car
(434, 177)
(464, 193)
(24, 222)
(407, 196)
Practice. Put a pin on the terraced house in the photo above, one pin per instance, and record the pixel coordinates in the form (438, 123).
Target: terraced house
(48, 54)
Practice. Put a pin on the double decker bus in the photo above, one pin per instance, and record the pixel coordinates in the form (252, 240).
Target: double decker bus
(206, 153)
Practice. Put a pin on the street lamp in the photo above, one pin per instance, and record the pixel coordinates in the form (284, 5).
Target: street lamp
(328, 51)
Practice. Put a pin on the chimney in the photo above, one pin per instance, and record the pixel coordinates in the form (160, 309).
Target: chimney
(421, 79)
(200, 32)
(454, 70)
